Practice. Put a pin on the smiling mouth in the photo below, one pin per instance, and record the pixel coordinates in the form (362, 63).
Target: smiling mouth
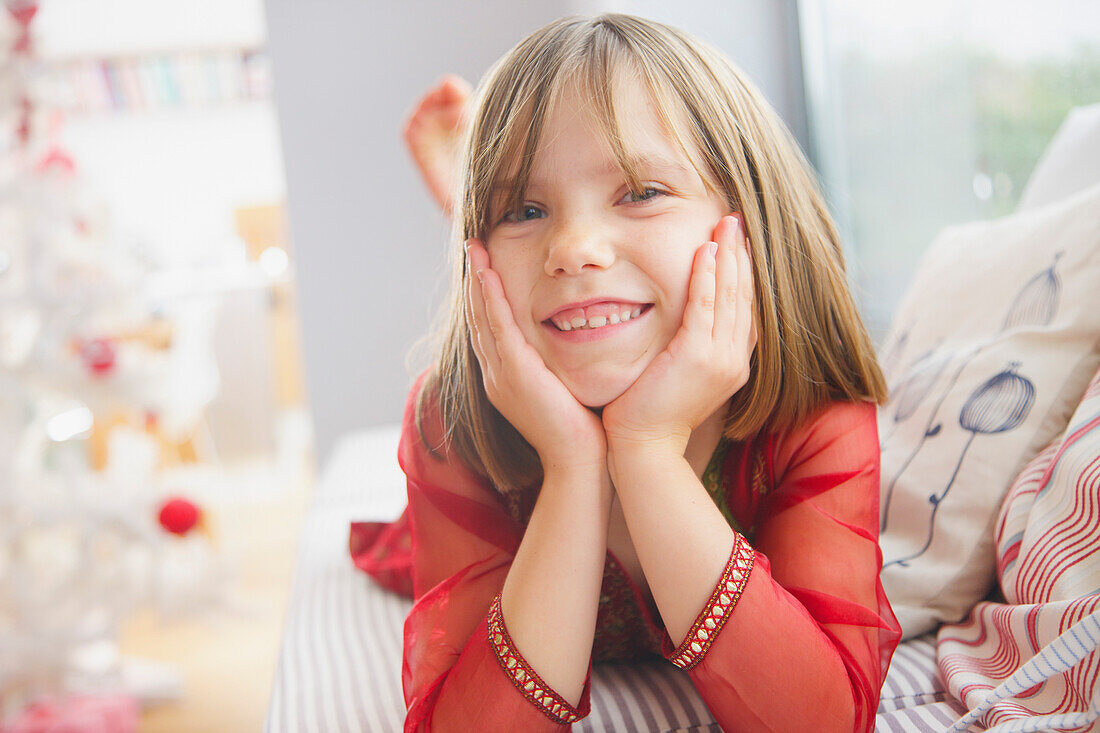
(597, 316)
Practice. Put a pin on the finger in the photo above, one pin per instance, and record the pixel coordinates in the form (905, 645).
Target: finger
(477, 260)
(507, 338)
(699, 313)
(730, 239)
(744, 330)
(468, 309)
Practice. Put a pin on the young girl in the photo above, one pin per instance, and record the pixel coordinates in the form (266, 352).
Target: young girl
(651, 426)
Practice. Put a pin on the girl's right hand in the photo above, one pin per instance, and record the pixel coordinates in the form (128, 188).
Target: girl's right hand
(564, 433)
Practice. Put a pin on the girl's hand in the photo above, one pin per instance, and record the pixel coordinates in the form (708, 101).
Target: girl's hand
(707, 360)
(561, 430)
(432, 133)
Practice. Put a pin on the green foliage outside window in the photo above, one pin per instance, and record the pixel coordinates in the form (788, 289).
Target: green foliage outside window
(1019, 105)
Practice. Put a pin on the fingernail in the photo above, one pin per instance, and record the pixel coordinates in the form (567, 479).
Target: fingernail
(712, 248)
(480, 277)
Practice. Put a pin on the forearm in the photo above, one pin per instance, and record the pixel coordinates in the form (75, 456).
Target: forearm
(682, 540)
(551, 595)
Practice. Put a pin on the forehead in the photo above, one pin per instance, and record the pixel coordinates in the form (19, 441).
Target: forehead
(633, 118)
(629, 133)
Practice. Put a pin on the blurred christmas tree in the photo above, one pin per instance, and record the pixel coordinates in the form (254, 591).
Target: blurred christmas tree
(105, 373)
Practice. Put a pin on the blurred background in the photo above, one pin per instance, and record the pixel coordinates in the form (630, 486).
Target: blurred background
(216, 258)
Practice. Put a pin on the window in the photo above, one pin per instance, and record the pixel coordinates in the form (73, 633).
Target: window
(932, 114)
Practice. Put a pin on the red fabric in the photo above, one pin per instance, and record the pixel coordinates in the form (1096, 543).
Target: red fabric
(385, 552)
(813, 609)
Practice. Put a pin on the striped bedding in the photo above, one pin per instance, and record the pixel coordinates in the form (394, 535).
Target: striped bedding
(340, 662)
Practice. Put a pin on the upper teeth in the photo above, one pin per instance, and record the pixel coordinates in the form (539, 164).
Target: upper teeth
(597, 321)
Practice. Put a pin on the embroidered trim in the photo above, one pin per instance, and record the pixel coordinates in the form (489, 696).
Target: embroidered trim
(523, 677)
(717, 610)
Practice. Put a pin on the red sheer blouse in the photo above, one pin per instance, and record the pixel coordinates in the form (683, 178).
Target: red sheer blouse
(804, 499)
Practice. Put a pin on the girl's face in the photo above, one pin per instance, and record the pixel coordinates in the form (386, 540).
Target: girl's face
(597, 274)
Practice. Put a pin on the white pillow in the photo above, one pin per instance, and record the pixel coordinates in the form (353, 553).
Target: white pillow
(988, 354)
(1070, 163)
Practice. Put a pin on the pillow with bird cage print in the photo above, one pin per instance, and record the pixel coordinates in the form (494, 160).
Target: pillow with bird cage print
(988, 354)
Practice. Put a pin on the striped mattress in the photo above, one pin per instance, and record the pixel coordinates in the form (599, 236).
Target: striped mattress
(339, 667)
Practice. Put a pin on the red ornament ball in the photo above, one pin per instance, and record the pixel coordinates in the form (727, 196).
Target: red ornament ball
(99, 355)
(179, 516)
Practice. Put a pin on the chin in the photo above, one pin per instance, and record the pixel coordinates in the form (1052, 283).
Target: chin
(599, 390)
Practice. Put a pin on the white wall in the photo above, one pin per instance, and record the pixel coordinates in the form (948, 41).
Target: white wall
(368, 241)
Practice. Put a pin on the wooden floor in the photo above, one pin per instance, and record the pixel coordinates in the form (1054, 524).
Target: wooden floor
(228, 659)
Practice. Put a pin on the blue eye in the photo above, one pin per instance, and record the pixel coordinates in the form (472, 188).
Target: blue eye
(637, 197)
(527, 212)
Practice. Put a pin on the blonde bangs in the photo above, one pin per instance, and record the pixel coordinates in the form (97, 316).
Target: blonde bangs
(505, 138)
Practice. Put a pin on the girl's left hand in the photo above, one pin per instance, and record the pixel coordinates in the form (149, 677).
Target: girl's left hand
(707, 360)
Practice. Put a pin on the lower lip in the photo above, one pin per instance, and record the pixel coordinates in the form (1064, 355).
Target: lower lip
(584, 335)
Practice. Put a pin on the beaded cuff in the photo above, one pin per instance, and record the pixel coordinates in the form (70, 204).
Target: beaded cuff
(523, 677)
(717, 610)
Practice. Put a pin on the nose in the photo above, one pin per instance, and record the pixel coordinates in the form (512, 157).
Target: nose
(577, 246)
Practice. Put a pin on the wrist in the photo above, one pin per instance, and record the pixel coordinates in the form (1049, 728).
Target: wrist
(587, 478)
(626, 435)
(584, 467)
(626, 458)
(651, 445)
(585, 453)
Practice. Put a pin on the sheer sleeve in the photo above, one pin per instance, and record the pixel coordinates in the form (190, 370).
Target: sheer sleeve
(455, 672)
(810, 609)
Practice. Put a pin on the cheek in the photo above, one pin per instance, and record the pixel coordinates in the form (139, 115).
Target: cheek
(517, 288)
(670, 258)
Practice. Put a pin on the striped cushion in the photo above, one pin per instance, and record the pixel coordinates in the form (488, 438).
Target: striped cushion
(1048, 544)
(914, 678)
(934, 717)
(340, 664)
(1039, 653)
(914, 697)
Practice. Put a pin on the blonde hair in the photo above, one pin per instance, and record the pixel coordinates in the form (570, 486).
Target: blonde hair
(811, 344)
